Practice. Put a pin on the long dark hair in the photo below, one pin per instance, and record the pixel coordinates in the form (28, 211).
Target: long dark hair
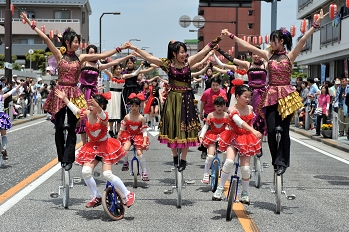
(174, 47)
(69, 34)
(284, 34)
(91, 46)
(102, 102)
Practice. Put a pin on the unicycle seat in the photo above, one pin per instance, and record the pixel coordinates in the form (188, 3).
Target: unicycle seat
(278, 129)
(66, 126)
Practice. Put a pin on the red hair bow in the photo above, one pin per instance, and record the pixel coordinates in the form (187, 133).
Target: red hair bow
(106, 95)
(237, 82)
(220, 95)
(140, 96)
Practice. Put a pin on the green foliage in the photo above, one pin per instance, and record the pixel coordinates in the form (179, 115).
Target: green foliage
(13, 59)
(39, 59)
(16, 66)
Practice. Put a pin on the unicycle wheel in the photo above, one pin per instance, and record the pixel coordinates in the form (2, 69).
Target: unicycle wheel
(231, 200)
(278, 194)
(214, 176)
(65, 192)
(257, 172)
(113, 204)
(179, 184)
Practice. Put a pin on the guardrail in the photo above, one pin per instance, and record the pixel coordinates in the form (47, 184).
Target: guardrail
(46, 20)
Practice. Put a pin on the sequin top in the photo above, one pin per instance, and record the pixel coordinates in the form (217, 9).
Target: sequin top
(279, 71)
(176, 75)
(68, 72)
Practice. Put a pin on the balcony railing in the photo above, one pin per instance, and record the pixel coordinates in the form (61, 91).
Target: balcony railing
(303, 3)
(329, 34)
(307, 46)
(46, 20)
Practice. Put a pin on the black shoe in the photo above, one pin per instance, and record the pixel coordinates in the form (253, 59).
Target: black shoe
(203, 155)
(4, 154)
(175, 161)
(281, 170)
(317, 134)
(149, 123)
(182, 165)
(260, 154)
(156, 119)
(68, 166)
(111, 133)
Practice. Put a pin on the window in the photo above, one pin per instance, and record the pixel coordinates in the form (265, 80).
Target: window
(201, 12)
(23, 41)
(30, 41)
(249, 25)
(62, 14)
(250, 12)
(30, 14)
(83, 17)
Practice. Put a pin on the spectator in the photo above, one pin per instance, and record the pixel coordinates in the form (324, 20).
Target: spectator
(301, 118)
(313, 88)
(304, 92)
(339, 102)
(312, 106)
(22, 105)
(299, 81)
(324, 104)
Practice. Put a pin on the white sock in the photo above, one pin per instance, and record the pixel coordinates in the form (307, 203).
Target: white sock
(4, 142)
(245, 184)
(117, 182)
(91, 184)
(207, 165)
(224, 178)
(142, 163)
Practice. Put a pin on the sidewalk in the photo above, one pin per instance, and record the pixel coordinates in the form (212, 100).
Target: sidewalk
(27, 119)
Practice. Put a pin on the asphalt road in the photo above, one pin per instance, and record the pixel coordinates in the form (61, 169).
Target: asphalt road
(319, 179)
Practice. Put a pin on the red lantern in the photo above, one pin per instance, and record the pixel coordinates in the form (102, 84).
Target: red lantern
(266, 39)
(249, 39)
(347, 3)
(316, 17)
(260, 39)
(255, 40)
(333, 10)
(293, 30)
(229, 52)
(82, 45)
(51, 34)
(232, 50)
(85, 45)
(12, 8)
(303, 26)
(33, 23)
(43, 28)
(244, 37)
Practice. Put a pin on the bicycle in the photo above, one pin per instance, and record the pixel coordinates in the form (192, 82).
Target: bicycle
(66, 183)
(277, 188)
(215, 168)
(112, 202)
(179, 182)
(233, 189)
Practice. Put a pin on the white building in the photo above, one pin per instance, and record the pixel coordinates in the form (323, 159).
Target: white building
(329, 45)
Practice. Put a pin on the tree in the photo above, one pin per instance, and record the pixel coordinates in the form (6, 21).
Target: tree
(39, 59)
(13, 58)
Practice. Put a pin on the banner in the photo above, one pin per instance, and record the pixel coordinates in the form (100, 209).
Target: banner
(323, 72)
(346, 67)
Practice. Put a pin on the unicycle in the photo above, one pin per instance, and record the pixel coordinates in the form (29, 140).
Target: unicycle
(134, 167)
(113, 203)
(233, 190)
(215, 167)
(257, 170)
(278, 179)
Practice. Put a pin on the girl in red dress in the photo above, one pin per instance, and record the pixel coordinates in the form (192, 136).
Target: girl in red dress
(99, 147)
(133, 128)
(242, 137)
(217, 121)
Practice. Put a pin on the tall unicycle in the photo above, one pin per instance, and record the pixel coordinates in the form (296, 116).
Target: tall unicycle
(65, 174)
(277, 178)
(112, 202)
(257, 171)
(179, 181)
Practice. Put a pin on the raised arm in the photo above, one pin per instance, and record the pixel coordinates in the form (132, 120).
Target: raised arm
(146, 55)
(222, 65)
(55, 52)
(98, 56)
(202, 61)
(202, 71)
(200, 55)
(262, 53)
(295, 52)
(114, 62)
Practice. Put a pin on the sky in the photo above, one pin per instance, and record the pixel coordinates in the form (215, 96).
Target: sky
(156, 22)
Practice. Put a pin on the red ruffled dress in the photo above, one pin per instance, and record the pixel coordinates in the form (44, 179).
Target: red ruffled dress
(133, 132)
(241, 139)
(217, 126)
(110, 150)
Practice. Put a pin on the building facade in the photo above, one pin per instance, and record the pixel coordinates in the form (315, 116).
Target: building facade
(54, 14)
(240, 19)
(328, 47)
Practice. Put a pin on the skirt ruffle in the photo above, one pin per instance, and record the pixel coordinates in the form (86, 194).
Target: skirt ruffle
(126, 136)
(53, 104)
(247, 144)
(109, 150)
(289, 105)
(210, 139)
(5, 121)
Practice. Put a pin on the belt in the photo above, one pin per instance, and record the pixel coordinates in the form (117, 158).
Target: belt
(115, 90)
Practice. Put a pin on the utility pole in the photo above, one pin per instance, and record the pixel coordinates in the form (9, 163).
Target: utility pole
(274, 15)
(8, 41)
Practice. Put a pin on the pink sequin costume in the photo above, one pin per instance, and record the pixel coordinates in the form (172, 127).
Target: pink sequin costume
(109, 149)
(244, 141)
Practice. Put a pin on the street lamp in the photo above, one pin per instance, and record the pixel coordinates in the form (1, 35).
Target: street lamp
(193, 30)
(128, 50)
(145, 47)
(100, 28)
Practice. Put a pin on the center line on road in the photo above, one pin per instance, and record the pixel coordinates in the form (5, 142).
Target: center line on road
(321, 151)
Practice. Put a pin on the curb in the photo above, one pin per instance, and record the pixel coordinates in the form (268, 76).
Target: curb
(330, 142)
(27, 119)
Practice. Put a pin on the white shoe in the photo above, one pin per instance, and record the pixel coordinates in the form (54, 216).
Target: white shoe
(206, 179)
(217, 196)
(244, 198)
(28, 115)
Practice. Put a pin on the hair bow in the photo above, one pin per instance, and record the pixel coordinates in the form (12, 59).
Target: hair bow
(285, 32)
(237, 82)
(140, 96)
(220, 95)
(106, 95)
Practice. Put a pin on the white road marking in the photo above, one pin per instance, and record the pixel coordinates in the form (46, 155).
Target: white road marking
(13, 130)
